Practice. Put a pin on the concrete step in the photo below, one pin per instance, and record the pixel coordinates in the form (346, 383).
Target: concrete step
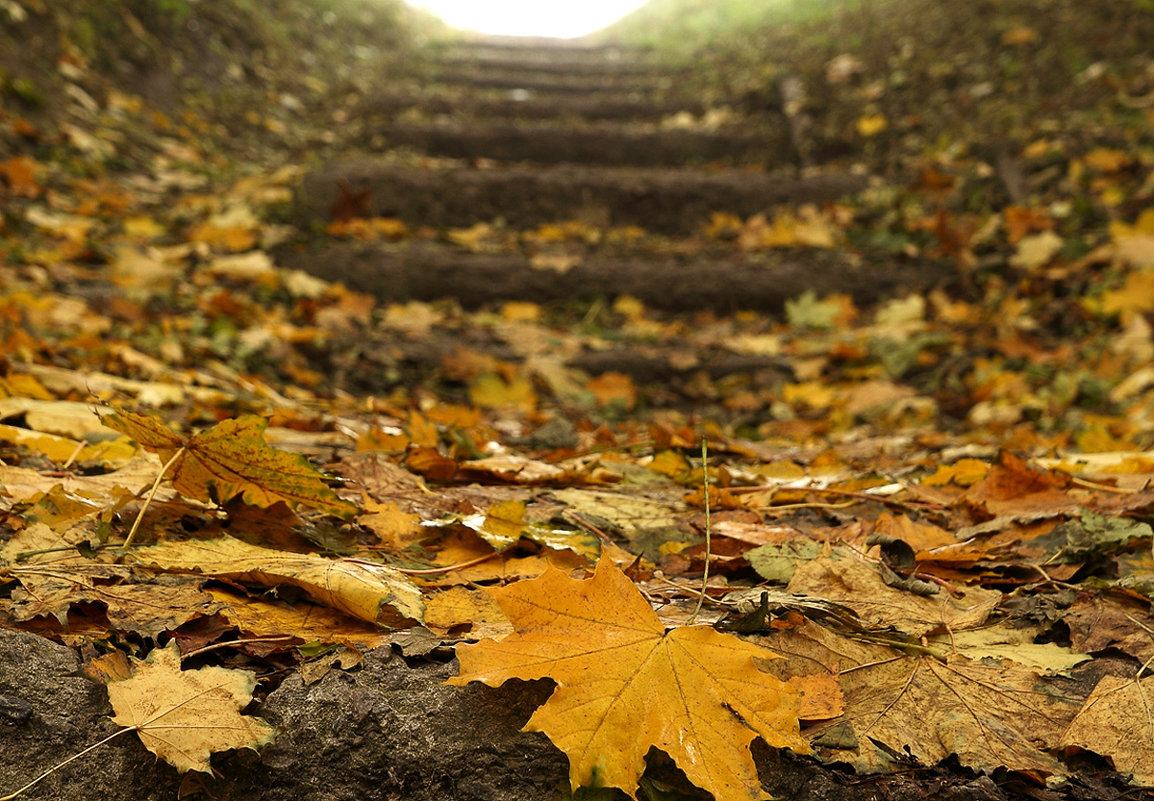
(671, 202)
(605, 143)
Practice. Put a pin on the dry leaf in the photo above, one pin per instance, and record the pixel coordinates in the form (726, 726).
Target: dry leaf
(230, 459)
(991, 714)
(185, 716)
(858, 585)
(262, 617)
(1117, 721)
(371, 592)
(624, 684)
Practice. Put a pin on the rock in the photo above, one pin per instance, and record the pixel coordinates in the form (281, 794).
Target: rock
(384, 730)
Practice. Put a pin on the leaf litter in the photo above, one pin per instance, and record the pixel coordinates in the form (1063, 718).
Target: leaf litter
(1000, 429)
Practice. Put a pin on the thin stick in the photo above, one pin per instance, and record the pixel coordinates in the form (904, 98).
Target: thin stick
(147, 502)
(708, 530)
(242, 641)
(447, 569)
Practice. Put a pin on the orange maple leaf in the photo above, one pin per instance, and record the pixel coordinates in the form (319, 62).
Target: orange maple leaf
(625, 684)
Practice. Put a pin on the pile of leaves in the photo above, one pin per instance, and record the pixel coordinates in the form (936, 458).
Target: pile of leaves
(926, 523)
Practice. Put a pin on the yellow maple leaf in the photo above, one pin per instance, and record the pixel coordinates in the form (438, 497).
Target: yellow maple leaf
(185, 716)
(625, 684)
(231, 459)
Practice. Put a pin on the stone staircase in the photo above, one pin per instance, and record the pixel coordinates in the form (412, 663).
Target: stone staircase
(518, 135)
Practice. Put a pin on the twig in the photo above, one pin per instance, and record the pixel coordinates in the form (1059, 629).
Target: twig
(148, 500)
(446, 569)
(708, 530)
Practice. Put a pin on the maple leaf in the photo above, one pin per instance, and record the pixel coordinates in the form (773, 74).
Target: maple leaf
(625, 684)
(232, 458)
(185, 716)
(350, 203)
(990, 713)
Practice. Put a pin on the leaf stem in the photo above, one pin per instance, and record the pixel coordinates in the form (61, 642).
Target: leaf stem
(59, 765)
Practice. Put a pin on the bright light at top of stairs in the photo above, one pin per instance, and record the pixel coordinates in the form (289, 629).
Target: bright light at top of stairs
(530, 17)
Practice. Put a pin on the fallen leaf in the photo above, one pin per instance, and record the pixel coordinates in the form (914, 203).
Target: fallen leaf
(458, 609)
(624, 684)
(1036, 250)
(185, 716)
(1117, 721)
(990, 714)
(263, 617)
(230, 459)
(372, 592)
(857, 584)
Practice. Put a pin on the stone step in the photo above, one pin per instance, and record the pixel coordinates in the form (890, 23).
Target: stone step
(426, 271)
(605, 143)
(536, 106)
(538, 48)
(670, 202)
(529, 80)
(556, 64)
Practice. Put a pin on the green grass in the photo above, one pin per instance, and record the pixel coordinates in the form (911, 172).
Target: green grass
(680, 28)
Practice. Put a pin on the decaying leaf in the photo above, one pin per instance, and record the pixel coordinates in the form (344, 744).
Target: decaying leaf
(185, 716)
(990, 714)
(858, 585)
(625, 684)
(231, 459)
(1118, 720)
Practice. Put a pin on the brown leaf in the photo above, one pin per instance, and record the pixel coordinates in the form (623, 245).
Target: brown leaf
(1116, 721)
(990, 713)
(858, 585)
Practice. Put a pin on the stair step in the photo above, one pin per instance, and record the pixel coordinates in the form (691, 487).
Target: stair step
(530, 80)
(590, 107)
(605, 144)
(671, 202)
(424, 271)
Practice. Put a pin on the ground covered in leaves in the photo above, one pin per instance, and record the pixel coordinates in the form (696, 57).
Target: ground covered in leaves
(916, 546)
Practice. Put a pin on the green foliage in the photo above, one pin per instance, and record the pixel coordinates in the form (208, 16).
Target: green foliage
(681, 27)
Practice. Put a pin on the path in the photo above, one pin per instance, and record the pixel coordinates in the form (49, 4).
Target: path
(526, 138)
